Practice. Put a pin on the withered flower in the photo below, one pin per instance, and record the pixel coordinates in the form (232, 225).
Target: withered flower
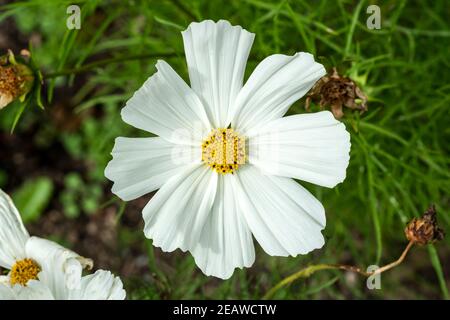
(424, 230)
(336, 92)
(16, 79)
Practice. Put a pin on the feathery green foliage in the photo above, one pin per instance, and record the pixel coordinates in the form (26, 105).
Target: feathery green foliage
(400, 147)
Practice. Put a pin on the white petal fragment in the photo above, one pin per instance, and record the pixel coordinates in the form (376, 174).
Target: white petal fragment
(35, 290)
(282, 215)
(167, 107)
(13, 235)
(226, 242)
(142, 165)
(102, 285)
(276, 83)
(176, 214)
(311, 147)
(216, 55)
(7, 292)
(61, 268)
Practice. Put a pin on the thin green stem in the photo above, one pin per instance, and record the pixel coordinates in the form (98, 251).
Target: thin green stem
(184, 9)
(121, 211)
(439, 272)
(304, 273)
(95, 64)
(103, 62)
(308, 271)
(153, 267)
(354, 21)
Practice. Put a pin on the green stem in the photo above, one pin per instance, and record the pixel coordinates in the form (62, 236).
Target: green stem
(439, 272)
(308, 271)
(185, 10)
(99, 63)
(304, 273)
(153, 267)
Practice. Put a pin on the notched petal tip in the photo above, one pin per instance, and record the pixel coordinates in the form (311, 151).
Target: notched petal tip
(274, 85)
(309, 57)
(346, 148)
(212, 24)
(118, 193)
(161, 65)
(223, 273)
(346, 152)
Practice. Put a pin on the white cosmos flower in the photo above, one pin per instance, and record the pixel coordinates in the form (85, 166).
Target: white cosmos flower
(216, 191)
(40, 269)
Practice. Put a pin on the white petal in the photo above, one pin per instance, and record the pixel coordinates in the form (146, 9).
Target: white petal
(35, 290)
(102, 285)
(142, 165)
(7, 292)
(312, 147)
(216, 55)
(13, 234)
(226, 242)
(60, 268)
(175, 215)
(276, 83)
(4, 280)
(167, 107)
(282, 215)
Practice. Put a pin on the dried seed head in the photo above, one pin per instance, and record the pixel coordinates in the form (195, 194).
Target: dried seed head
(424, 230)
(336, 92)
(16, 79)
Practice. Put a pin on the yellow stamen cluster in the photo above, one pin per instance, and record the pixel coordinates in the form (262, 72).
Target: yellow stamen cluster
(23, 271)
(223, 150)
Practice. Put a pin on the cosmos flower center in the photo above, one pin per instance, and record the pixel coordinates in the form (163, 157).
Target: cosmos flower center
(223, 150)
(23, 271)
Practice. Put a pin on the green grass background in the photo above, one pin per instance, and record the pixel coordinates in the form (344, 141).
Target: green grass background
(400, 148)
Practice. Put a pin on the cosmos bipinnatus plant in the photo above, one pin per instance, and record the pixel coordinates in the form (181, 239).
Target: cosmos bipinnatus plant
(16, 79)
(337, 92)
(40, 269)
(225, 156)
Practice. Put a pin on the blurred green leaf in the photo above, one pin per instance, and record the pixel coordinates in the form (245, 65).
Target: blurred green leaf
(69, 202)
(22, 106)
(168, 23)
(73, 181)
(89, 205)
(32, 198)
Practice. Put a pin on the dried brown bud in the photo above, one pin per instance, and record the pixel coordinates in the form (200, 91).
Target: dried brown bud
(16, 79)
(424, 230)
(336, 92)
